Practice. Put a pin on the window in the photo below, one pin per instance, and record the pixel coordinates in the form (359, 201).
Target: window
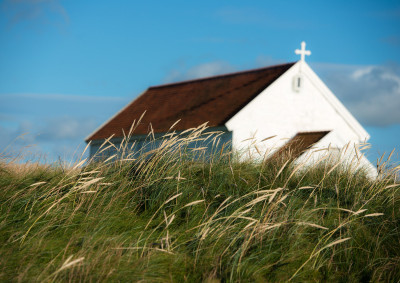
(297, 82)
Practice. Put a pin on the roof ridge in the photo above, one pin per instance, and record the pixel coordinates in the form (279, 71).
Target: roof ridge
(212, 99)
(221, 76)
(242, 87)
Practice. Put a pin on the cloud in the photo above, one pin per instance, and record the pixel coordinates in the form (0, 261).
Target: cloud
(372, 93)
(5, 117)
(181, 72)
(14, 140)
(263, 61)
(200, 71)
(65, 128)
(38, 12)
(51, 125)
(48, 138)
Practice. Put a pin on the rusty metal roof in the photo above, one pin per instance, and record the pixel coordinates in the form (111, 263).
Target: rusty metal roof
(214, 100)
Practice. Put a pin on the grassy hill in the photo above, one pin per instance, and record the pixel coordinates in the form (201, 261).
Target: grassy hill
(169, 218)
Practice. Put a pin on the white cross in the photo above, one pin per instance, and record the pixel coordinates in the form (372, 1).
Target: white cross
(303, 51)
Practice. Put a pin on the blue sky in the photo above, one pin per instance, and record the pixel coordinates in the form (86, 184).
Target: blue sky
(67, 66)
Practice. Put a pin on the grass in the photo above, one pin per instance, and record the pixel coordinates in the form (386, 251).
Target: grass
(219, 218)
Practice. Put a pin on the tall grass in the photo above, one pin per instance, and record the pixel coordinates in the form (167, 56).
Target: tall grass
(166, 216)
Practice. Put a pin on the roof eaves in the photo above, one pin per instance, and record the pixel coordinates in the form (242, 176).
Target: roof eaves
(89, 137)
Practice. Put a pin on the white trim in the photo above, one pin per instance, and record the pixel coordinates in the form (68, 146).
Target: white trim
(334, 102)
(314, 79)
(115, 115)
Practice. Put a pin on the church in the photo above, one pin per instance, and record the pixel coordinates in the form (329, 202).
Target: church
(282, 106)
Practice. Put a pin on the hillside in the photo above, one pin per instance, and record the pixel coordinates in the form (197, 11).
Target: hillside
(169, 218)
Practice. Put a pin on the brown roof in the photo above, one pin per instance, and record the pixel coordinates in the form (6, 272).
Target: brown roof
(297, 145)
(214, 100)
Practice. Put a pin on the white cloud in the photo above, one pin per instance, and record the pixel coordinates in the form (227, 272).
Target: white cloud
(46, 138)
(372, 93)
(65, 128)
(361, 72)
(38, 12)
(263, 61)
(213, 68)
(14, 140)
(200, 71)
(57, 129)
(55, 123)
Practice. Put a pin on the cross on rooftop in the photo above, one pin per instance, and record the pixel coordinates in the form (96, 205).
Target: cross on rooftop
(302, 52)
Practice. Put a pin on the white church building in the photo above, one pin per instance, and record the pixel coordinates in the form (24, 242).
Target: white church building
(274, 108)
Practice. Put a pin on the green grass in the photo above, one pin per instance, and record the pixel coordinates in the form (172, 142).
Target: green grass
(169, 218)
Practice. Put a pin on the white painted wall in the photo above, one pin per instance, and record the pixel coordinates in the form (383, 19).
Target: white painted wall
(280, 110)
